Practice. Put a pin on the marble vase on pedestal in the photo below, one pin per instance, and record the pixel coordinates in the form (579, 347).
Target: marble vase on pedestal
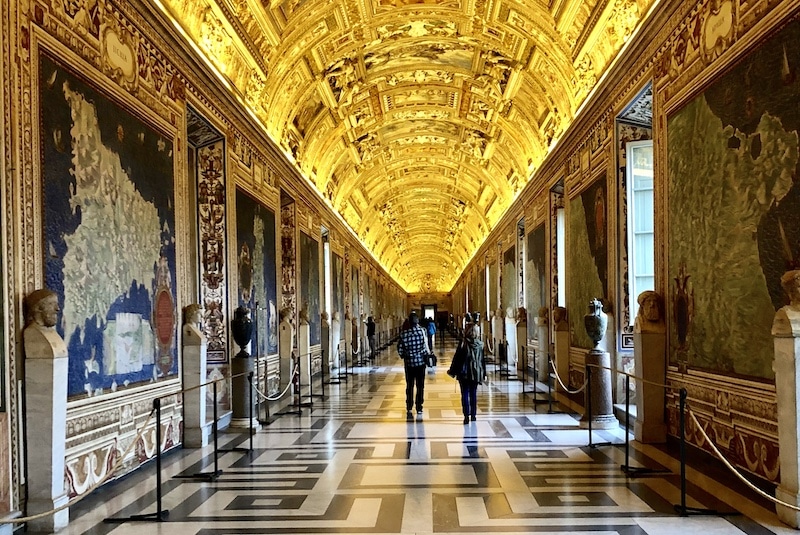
(243, 397)
(598, 393)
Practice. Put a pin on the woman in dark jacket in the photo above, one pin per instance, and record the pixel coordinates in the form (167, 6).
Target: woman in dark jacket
(468, 368)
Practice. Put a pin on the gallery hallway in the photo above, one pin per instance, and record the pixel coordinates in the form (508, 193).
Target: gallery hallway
(354, 464)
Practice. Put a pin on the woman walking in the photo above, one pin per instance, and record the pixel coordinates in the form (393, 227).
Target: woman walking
(468, 367)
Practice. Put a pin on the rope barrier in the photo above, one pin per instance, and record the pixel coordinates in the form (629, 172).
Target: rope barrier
(563, 386)
(735, 471)
(91, 489)
(285, 390)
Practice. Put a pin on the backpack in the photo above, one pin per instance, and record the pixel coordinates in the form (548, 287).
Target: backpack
(431, 328)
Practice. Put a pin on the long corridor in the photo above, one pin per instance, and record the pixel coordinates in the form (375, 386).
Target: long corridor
(355, 463)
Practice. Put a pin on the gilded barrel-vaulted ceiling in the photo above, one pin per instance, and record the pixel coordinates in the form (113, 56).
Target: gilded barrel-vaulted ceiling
(418, 120)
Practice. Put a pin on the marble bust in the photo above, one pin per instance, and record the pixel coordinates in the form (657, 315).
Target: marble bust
(40, 336)
(560, 322)
(192, 318)
(543, 316)
(650, 318)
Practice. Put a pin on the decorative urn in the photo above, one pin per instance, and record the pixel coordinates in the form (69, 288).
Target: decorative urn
(242, 330)
(595, 322)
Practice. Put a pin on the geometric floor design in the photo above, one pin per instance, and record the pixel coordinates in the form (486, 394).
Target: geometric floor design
(353, 463)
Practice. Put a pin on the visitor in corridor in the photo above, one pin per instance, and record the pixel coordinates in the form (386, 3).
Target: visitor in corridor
(413, 349)
(431, 328)
(371, 336)
(470, 370)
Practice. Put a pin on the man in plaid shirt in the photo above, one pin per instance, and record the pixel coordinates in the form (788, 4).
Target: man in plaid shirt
(413, 348)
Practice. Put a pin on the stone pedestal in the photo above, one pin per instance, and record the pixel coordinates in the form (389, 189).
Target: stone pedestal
(649, 354)
(600, 388)
(46, 370)
(511, 344)
(561, 349)
(522, 347)
(304, 350)
(336, 336)
(285, 347)
(543, 349)
(242, 396)
(498, 325)
(325, 341)
(194, 402)
(348, 341)
(786, 331)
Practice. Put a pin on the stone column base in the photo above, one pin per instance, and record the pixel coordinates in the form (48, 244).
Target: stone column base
(786, 515)
(243, 424)
(50, 523)
(603, 421)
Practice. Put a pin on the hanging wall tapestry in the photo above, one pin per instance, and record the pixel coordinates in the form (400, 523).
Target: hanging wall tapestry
(255, 229)
(587, 263)
(309, 287)
(734, 211)
(109, 236)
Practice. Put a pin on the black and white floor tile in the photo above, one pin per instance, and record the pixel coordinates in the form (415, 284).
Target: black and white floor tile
(355, 463)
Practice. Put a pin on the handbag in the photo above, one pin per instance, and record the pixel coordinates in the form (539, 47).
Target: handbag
(430, 360)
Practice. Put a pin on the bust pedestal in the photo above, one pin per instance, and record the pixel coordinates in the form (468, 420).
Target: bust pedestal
(522, 346)
(786, 332)
(285, 347)
(304, 350)
(543, 349)
(561, 350)
(649, 354)
(497, 336)
(325, 341)
(46, 366)
(511, 345)
(336, 335)
(195, 429)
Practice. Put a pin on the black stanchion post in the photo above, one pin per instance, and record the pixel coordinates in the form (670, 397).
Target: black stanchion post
(215, 430)
(160, 515)
(589, 402)
(252, 392)
(627, 468)
(550, 373)
(157, 405)
(682, 509)
(627, 423)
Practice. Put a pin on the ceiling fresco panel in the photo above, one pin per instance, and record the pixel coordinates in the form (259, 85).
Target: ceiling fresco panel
(420, 120)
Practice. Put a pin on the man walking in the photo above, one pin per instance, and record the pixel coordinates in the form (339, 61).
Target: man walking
(412, 348)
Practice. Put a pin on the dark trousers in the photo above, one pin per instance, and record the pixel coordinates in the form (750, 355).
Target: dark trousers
(469, 397)
(415, 375)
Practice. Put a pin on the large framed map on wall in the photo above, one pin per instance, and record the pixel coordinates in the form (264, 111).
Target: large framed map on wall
(258, 291)
(734, 211)
(108, 234)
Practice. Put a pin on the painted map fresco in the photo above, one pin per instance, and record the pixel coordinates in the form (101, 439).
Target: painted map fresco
(734, 210)
(255, 229)
(109, 236)
(309, 289)
(587, 258)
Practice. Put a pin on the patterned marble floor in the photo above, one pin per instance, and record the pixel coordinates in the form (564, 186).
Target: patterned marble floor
(354, 463)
